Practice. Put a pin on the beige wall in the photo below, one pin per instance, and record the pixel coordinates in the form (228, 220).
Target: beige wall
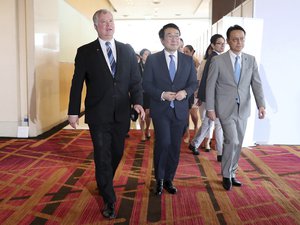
(36, 71)
(9, 64)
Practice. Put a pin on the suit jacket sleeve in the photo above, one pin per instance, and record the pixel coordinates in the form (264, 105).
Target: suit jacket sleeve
(256, 86)
(212, 77)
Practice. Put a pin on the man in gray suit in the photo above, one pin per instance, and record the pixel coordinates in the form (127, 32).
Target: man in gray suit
(228, 97)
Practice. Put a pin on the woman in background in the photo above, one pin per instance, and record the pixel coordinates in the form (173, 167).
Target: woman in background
(145, 124)
(189, 50)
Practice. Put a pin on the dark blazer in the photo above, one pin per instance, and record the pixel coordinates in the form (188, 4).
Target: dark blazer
(157, 79)
(202, 86)
(107, 98)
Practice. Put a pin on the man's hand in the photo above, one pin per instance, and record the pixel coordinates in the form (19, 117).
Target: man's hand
(261, 112)
(169, 96)
(211, 114)
(180, 95)
(73, 120)
(140, 110)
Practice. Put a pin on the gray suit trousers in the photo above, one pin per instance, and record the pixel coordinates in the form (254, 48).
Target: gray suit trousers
(233, 130)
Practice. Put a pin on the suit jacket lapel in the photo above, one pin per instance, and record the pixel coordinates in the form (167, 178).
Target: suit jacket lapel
(101, 57)
(165, 68)
(179, 66)
(229, 66)
(244, 66)
(118, 50)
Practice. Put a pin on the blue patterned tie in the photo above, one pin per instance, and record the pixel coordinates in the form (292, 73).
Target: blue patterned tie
(172, 71)
(112, 61)
(237, 69)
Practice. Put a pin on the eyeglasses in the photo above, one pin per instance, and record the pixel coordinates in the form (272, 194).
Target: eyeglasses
(170, 37)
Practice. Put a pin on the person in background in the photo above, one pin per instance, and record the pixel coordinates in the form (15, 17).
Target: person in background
(169, 79)
(145, 124)
(202, 111)
(189, 50)
(230, 77)
(181, 45)
(138, 57)
(110, 72)
(217, 43)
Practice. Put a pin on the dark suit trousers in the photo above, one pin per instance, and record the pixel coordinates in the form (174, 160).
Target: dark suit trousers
(108, 141)
(168, 134)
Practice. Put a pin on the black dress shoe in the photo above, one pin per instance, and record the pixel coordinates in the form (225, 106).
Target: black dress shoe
(109, 211)
(159, 187)
(168, 185)
(219, 158)
(227, 183)
(235, 182)
(207, 150)
(193, 149)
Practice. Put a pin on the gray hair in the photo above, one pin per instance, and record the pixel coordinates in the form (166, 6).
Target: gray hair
(97, 13)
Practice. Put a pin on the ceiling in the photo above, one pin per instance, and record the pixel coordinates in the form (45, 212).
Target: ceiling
(146, 9)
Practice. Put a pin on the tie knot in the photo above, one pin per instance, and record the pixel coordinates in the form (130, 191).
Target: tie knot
(237, 58)
(107, 43)
(171, 57)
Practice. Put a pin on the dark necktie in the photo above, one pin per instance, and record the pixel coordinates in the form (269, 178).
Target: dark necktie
(172, 71)
(237, 69)
(111, 58)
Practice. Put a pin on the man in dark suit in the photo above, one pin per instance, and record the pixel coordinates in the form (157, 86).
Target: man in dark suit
(169, 79)
(111, 74)
(230, 77)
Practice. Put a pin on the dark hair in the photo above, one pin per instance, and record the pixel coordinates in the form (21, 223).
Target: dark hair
(232, 28)
(209, 48)
(161, 32)
(190, 48)
(215, 37)
(143, 51)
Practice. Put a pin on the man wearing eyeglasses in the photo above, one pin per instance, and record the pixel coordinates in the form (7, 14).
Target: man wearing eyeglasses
(169, 79)
(230, 77)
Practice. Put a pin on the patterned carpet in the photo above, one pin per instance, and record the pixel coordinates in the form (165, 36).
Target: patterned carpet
(51, 181)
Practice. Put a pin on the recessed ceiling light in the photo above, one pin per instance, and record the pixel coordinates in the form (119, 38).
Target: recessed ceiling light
(156, 1)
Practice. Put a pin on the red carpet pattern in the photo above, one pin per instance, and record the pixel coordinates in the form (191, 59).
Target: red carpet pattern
(51, 181)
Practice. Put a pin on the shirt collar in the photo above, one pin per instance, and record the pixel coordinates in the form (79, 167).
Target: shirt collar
(232, 55)
(102, 42)
(168, 53)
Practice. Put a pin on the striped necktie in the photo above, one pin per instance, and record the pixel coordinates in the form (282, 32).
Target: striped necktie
(112, 61)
